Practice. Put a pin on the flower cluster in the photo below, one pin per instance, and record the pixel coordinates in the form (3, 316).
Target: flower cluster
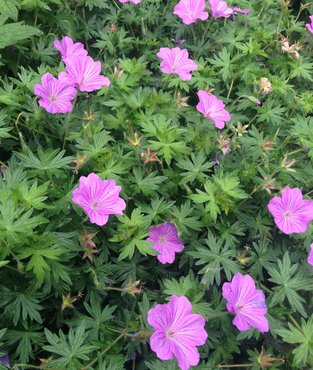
(178, 332)
(176, 61)
(189, 11)
(82, 73)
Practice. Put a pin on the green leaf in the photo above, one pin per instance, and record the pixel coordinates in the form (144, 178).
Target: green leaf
(13, 32)
(70, 349)
(9, 8)
(48, 161)
(288, 280)
(14, 223)
(35, 195)
(21, 306)
(195, 168)
(216, 259)
(303, 336)
(40, 254)
(224, 63)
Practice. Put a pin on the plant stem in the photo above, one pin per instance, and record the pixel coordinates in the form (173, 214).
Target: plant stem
(105, 350)
(230, 88)
(294, 322)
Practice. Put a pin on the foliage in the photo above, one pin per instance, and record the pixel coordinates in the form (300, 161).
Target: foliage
(62, 308)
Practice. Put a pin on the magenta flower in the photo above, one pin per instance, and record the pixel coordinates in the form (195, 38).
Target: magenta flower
(213, 109)
(191, 10)
(247, 302)
(166, 241)
(55, 94)
(292, 213)
(241, 11)
(309, 26)
(84, 73)
(310, 256)
(175, 61)
(68, 48)
(98, 198)
(177, 332)
(132, 1)
(219, 8)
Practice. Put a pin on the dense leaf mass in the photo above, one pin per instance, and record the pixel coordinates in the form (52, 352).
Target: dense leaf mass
(75, 295)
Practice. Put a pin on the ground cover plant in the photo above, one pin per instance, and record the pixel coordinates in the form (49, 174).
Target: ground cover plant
(156, 184)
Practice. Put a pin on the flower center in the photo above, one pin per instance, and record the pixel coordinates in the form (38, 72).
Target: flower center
(94, 206)
(162, 240)
(170, 334)
(287, 214)
(52, 99)
(239, 307)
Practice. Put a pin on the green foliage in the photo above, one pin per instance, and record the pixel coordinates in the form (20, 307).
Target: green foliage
(303, 337)
(76, 294)
(289, 280)
(70, 348)
(215, 257)
(13, 32)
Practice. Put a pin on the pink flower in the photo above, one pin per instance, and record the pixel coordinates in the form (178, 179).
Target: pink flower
(166, 241)
(292, 213)
(68, 48)
(191, 10)
(310, 256)
(213, 109)
(247, 302)
(98, 198)
(83, 72)
(55, 94)
(241, 11)
(132, 1)
(309, 26)
(175, 61)
(219, 8)
(177, 332)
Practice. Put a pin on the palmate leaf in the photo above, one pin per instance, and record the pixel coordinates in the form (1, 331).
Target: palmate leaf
(21, 306)
(42, 248)
(146, 183)
(221, 194)
(188, 286)
(270, 112)
(98, 146)
(185, 218)
(223, 63)
(28, 339)
(304, 338)
(96, 319)
(48, 161)
(9, 8)
(216, 259)
(13, 32)
(195, 168)
(16, 224)
(288, 280)
(133, 234)
(34, 196)
(71, 348)
(137, 242)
